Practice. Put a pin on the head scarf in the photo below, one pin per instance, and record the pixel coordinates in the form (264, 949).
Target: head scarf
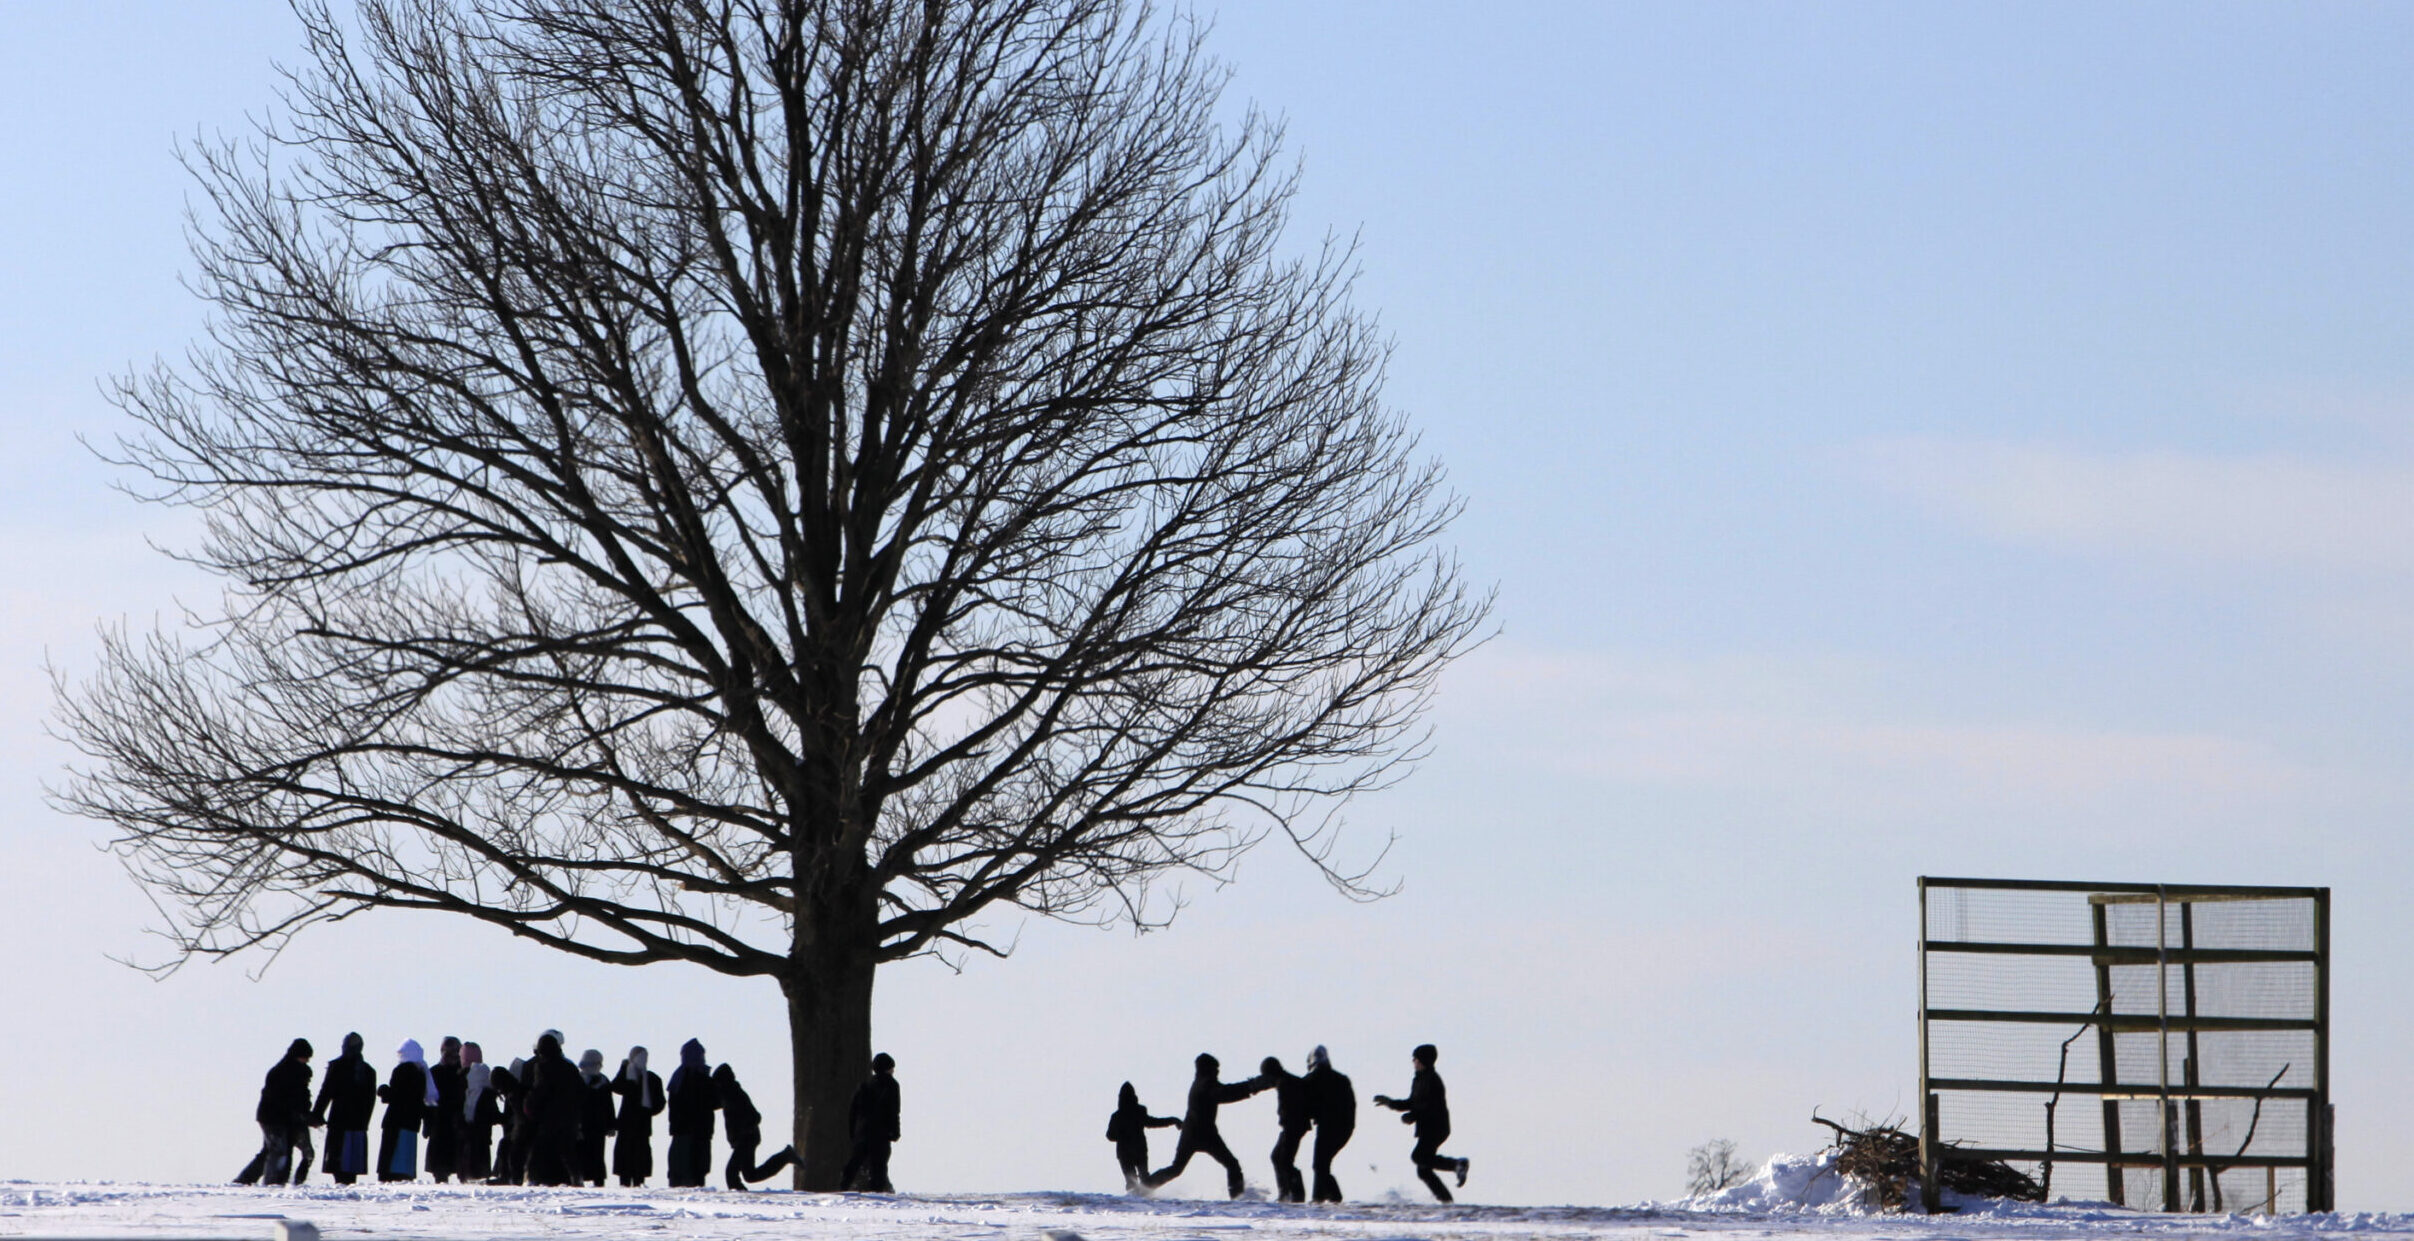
(352, 1044)
(634, 1071)
(590, 1065)
(412, 1054)
(1318, 1060)
(471, 1054)
(1128, 1097)
(481, 1079)
(691, 1060)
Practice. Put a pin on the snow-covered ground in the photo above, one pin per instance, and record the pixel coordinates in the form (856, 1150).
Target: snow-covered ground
(1792, 1197)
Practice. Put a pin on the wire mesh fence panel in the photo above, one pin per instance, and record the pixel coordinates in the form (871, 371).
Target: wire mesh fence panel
(2160, 1046)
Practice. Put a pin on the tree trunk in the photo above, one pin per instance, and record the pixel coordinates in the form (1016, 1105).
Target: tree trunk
(830, 1044)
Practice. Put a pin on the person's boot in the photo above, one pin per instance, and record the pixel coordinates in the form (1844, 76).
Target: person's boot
(1462, 1172)
(301, 1171)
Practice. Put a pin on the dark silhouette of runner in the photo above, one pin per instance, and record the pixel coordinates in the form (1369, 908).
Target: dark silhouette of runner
(1335, 1108)
(1199, 1134)
(1128, 1130)
(872, 1121)
(1428, 1108)
(1293, 1116)
(744, 1123)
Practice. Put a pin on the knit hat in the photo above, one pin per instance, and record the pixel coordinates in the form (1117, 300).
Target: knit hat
(1207, 1063)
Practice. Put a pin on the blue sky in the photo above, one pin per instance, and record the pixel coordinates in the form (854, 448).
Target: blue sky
(1907, 439)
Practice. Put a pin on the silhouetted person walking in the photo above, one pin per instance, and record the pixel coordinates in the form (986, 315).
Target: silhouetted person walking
(1128, 1130)
(692, 1103)
(1293, 1117)
(744, 1123)
(1334, 1106)
(555, 1099)
(408, 1093)
(1199, 1133)
(444, 1122)
(641, 1100)
(596, 1116)
(284, 1117)
(347, 1099)
(1428, 1108)
(873, 1122)
(480, 1113)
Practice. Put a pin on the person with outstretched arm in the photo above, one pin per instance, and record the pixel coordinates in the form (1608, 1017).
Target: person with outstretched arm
(1334, 1106)
(1428, 1108)
(872, 1120)
(1293, 1117)
(1128, 1130)
(1199, 1133)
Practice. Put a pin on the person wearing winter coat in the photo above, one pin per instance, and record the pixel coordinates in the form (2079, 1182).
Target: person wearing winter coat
(284, 1117)
(511, 1148)
(1293, 1117)
(480, 1113)
(556, 1098)
(1128, 1130)
(444, 1120)
(1199, 1133)
(744, 1123)
(1428, 1108)
(1334, 1108)
(872, 1121)
(595, 1119)
(408, 1093)
(347, 1099)
(641, 1100)
(692, 1103)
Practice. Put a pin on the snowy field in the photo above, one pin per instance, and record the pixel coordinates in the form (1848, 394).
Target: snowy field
(1791, 1198)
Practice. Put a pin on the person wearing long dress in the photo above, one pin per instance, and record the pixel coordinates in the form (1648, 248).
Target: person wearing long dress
(480, 1113)
(641, 1100)
(347, 1099)
(408, 1093)
(444, 1119)
(595, 1118)
(693, 1100)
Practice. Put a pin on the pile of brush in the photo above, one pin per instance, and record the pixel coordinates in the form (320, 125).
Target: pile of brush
(1885, 1160)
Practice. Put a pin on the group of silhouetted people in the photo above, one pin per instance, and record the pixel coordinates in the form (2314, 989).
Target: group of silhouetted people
(1320, 1099)
(554, 1118)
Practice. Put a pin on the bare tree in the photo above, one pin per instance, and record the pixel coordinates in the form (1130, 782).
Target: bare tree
(1713, 1166)
(761, 483)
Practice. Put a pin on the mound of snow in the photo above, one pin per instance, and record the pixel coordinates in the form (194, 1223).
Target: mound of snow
(1788, 1183)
